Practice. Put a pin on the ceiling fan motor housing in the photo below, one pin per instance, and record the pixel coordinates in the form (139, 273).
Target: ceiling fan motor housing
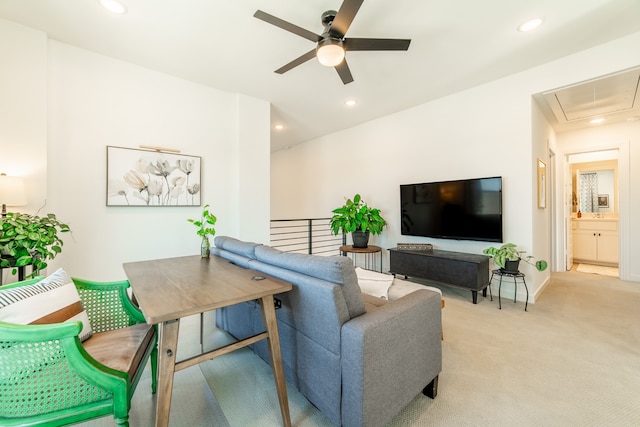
(328, 17)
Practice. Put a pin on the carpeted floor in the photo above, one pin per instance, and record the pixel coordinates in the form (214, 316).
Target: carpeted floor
(572, 360)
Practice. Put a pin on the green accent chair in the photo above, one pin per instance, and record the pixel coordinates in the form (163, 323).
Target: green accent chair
(49, 377)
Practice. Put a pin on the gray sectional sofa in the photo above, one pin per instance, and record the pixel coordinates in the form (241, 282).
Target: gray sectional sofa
(359, 359)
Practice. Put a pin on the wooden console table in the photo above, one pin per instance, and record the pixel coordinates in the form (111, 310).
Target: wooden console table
(457, 269)
(170, 289)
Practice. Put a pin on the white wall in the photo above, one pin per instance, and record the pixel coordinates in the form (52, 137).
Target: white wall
(23, 109)
(489, 130)
(95, 101)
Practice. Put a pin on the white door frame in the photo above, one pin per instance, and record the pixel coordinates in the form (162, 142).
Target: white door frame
(563, 217)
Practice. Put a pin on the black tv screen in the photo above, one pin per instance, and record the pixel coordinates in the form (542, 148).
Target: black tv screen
(469, 209)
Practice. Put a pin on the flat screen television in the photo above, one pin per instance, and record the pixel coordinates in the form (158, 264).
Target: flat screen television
(467, 209)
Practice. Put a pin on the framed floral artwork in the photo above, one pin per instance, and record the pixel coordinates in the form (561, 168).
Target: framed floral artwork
(152, 178)
(542, 184)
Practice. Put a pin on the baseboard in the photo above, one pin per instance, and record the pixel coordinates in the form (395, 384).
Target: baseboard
(536, 294)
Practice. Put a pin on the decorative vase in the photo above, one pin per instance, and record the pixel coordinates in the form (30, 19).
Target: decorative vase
(204, 247)
(360, 239)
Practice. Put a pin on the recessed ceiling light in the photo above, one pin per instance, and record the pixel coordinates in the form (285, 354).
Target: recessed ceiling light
(633, 119)
(350, 102)
(529, 25)
(114, 6)
(279, 127)
(596, 121)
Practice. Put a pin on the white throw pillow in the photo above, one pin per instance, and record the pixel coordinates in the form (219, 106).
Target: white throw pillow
(374, 283)
(54, 299)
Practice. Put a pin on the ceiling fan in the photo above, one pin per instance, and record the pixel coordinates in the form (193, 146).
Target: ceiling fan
(332, 45)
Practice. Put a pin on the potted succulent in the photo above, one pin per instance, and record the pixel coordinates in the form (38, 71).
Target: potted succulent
(27, 239)
(205, 229)
(508, 258)
(357, 218)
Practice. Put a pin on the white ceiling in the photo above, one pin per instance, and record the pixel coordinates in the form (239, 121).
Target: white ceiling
(456, 44)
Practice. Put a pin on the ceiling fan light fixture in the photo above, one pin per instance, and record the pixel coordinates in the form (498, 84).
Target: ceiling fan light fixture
(330, 52)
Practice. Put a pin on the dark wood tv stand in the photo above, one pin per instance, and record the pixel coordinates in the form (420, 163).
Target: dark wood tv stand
(457, 269)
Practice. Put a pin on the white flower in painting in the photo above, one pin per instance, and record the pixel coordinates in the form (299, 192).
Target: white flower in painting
(116, 188)
(176, 192)
(161, 168)
(143, 166)
(185, 166)
(155, 187)
(136, 180)
(178, 180)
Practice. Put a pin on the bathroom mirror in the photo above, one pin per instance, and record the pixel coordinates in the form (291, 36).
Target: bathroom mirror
(596, 191)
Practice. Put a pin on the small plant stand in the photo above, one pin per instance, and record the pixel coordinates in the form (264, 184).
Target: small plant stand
(515, 275)
(369, 251)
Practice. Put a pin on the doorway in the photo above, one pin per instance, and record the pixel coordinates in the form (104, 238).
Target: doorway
(593, 223)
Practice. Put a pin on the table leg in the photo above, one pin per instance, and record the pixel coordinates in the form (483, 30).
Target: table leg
(269, 315)
(168, 340)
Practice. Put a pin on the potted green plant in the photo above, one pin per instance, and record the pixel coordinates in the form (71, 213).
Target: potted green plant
(27, 239)
(205, 229)
(357, 218)
(508, 258)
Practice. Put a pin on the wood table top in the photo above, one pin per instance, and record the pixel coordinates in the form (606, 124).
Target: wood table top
(172, 288)
(370, 249)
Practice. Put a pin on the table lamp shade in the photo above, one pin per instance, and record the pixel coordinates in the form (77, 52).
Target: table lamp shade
(12, 191)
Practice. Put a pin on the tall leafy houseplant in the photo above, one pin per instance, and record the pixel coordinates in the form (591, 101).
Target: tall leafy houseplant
(205, 229)
(509, 252)
(356, 217)
(30, 240)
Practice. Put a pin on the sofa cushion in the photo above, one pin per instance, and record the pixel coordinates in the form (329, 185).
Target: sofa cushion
(334, 269)
(374, 283)
(400, 288)
(53, 299)
(236, 246)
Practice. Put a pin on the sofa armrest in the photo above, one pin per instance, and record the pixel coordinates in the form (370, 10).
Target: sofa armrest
(389, 355)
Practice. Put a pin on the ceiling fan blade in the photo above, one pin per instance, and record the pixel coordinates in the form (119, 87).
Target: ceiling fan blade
(344, 72)
(273, 20)
(344, 17)
(300, 60)
(376, 44)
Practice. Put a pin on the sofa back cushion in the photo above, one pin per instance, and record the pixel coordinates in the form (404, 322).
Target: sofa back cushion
(246, 249)
(236, 251)
(334, 269)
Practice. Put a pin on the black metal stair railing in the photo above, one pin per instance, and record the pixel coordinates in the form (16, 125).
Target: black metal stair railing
(308, 236)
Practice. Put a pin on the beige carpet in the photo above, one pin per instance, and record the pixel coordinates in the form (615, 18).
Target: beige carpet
(598, 269)
(572, 360)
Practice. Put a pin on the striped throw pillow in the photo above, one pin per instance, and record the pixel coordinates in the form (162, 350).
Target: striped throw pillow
(54, 299)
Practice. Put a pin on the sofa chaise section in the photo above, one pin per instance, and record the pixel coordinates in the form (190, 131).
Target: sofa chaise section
(359, 360)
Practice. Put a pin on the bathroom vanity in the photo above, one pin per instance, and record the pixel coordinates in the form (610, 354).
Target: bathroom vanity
(595, 240)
